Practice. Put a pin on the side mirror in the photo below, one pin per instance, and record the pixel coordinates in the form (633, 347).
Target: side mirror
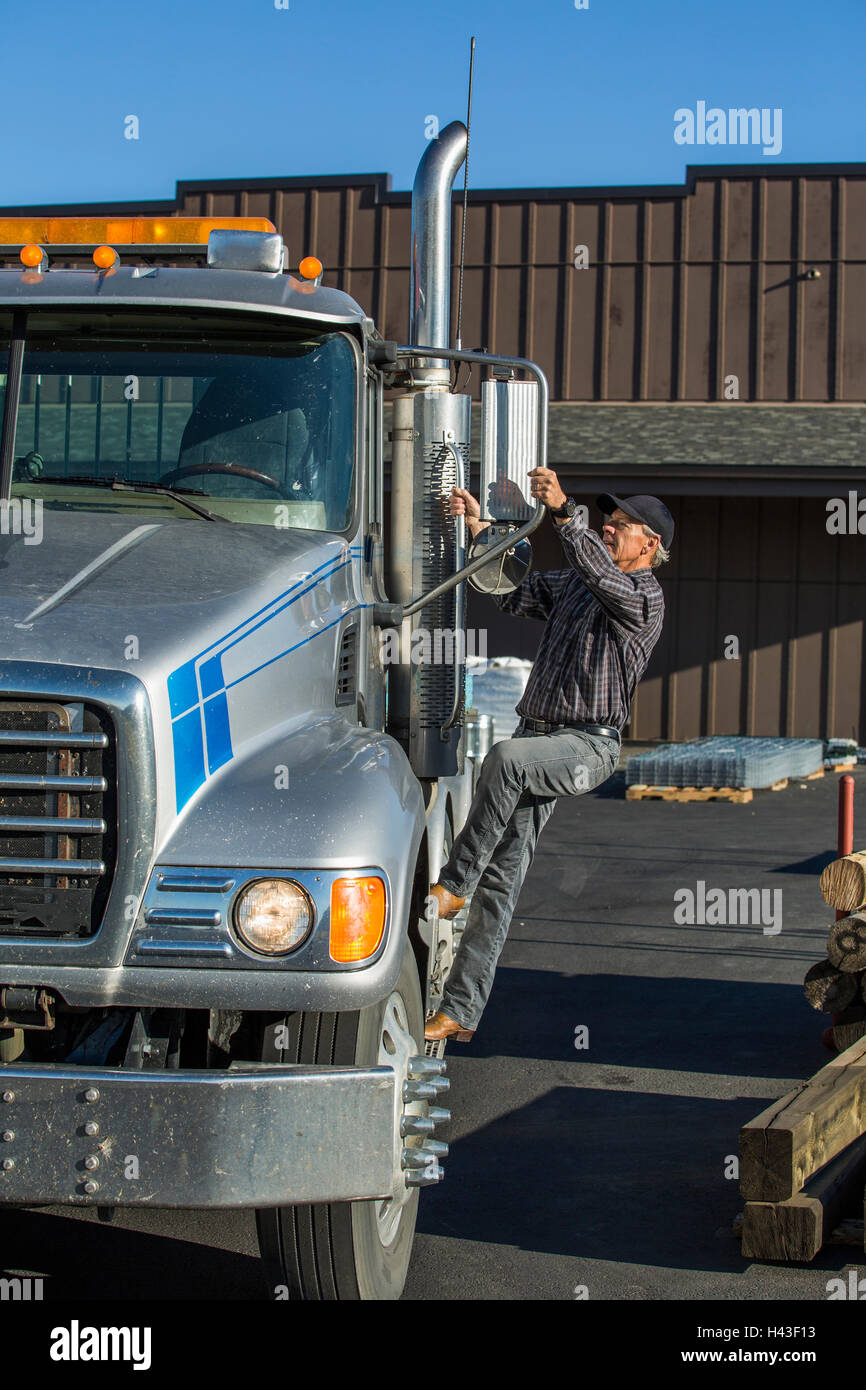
(503, 574)
(509, 449)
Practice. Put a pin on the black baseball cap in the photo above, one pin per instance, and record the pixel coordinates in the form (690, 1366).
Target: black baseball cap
(649, 510)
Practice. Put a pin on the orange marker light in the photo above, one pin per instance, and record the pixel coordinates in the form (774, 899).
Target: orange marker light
(357, 917)
(31, 255)
(310, 268)
(104, 257)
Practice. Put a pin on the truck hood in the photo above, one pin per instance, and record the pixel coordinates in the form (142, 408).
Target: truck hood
(234, 631)
(128, 593)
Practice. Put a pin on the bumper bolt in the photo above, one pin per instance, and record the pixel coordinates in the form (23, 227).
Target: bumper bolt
(91, 1129)
(7, 1136)
(416, 1124)
(437, 1147)
(426, 1089)
(426, 1066)
(418, 1090)
(415, 1158)
(8, 1097)
(91, 1095)
(91, 1162)
(8, 1164)
(423, 1177)
(91, 1187)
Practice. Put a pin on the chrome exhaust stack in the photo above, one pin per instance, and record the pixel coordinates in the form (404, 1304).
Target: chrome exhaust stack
(430, 276)
(430, 455)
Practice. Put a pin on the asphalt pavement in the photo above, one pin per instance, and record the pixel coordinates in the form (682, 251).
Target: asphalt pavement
(596, 1112)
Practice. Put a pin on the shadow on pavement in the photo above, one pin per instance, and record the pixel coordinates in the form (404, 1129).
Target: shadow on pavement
(82, 1258)
(732, 1028)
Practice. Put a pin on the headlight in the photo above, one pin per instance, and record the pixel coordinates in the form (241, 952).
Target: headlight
(273, 915)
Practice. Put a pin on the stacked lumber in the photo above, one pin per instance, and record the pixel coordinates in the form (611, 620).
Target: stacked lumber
(803, 1162)
(803, 1159)
(837, 985)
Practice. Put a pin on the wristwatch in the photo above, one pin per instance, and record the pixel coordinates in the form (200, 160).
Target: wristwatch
(568, 508)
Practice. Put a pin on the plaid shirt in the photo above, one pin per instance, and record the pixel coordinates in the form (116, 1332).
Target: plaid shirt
(601, 627)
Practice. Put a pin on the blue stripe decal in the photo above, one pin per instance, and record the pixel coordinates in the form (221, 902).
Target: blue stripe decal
(335, 559)
(182, 689)
(271, 659)
(309, 589)
(210, 674)
(189, 704)
(219, 739)
(189, 771)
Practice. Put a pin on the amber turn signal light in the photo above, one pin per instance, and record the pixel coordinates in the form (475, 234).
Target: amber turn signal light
(32, 256)
(357, 917)
(104, 257)
(310, 268)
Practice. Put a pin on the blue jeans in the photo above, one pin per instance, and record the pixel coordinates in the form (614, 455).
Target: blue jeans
(520, 780)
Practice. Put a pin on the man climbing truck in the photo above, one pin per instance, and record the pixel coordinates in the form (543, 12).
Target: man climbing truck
(603, 616)
(220, 809)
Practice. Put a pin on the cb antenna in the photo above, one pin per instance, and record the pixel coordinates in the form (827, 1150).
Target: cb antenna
(459, 341)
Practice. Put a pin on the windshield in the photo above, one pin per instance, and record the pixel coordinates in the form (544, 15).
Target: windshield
(247, 425)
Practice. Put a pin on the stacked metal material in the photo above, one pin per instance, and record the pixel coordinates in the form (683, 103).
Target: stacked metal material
(725, 761)
(840, 750)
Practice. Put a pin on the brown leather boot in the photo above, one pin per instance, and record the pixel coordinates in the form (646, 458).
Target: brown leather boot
(441, 1026)
(449, 905)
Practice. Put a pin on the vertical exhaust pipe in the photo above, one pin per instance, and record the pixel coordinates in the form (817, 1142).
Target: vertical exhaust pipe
(430, 283)
(430, 455)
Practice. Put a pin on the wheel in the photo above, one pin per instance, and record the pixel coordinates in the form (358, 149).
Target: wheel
(349, 1250)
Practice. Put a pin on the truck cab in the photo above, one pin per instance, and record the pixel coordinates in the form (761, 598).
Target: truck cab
(220, 805)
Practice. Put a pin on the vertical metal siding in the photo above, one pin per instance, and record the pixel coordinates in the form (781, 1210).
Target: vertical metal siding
(682, 291)
(761, 570)
(684, 287)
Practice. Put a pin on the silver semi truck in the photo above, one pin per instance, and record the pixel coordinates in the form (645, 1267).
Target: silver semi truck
(221, 802)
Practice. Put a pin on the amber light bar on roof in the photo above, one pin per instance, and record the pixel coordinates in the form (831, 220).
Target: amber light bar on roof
(122, 231)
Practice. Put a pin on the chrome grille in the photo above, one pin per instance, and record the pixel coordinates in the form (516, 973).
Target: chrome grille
(57, 817)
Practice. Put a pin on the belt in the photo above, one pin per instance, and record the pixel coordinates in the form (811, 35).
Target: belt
(542, 726)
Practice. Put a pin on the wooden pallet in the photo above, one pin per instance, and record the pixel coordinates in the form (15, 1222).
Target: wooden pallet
(641, 792)
(741, 796)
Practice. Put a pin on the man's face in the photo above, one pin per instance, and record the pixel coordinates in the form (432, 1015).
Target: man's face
(627, 545)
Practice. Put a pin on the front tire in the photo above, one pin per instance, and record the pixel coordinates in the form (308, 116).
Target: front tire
(346, 1250)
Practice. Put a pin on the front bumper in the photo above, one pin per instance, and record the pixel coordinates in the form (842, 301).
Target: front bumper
(251, 1136)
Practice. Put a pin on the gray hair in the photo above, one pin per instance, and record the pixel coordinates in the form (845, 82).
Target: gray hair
(661, 555)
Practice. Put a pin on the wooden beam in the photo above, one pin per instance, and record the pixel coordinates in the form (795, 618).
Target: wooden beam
(802, 1131)
(797, 1228)
(828, 989)
(843, 883)
(846, 943)
(848, 1232)
(849, 1026)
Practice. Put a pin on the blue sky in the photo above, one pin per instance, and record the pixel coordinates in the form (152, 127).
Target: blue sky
(563, 97)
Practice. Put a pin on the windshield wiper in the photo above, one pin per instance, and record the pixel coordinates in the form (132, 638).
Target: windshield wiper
(118, 485)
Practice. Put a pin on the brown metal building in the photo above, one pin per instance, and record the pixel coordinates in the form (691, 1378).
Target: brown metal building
(706, 343)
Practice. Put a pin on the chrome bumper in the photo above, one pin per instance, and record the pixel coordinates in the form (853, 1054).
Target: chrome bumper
(248, 1137)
